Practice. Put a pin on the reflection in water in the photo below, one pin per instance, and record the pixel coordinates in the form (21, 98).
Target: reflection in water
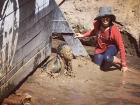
(9, 24)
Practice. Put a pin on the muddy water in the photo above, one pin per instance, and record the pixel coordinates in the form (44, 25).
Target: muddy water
(90, 86)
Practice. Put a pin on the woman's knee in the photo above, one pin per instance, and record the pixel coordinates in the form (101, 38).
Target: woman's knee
(108, 58)
(98, 58)
(112, 50)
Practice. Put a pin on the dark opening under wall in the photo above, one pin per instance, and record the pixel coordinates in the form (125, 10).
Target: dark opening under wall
(132, 46)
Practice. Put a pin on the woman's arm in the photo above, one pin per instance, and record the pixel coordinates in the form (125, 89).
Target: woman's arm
(90, 32)
(87, 34)
(120, 44)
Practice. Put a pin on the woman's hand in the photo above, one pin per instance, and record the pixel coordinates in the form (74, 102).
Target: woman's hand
(78, 35)
(124, 69)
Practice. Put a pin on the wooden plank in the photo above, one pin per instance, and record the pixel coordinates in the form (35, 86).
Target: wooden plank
(22, 73)
(61, 26)
(35, 36)
(25, 60)
(39, 40)
(77, 47)
(33, 24)
(26, 22)
(32, 47)
(34, 43)
(18, 35)
(30, 6)
(43, 25)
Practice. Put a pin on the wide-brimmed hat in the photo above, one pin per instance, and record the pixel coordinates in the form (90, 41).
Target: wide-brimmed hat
(105, 11)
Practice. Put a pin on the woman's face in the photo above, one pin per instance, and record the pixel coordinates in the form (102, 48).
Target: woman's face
(105, 21)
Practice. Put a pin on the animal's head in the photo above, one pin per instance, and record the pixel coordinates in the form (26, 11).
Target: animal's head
(65, 51)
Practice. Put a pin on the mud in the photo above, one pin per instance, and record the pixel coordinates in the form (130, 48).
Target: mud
(90, 86)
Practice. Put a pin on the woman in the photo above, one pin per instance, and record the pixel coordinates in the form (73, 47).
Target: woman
(109, 39)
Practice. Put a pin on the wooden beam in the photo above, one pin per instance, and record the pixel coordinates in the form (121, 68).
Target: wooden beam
(61, 27)
(76, 45)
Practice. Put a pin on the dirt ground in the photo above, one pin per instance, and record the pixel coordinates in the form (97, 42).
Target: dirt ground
(89, 86)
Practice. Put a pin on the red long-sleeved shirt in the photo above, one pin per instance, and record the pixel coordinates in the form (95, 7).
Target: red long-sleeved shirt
(104, 40)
